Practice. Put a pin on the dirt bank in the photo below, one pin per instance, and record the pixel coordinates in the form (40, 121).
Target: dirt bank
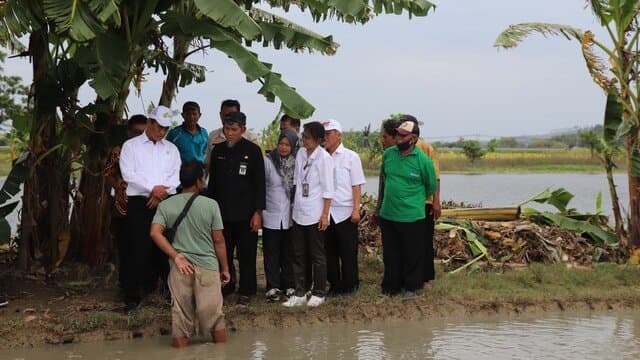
(75, 305)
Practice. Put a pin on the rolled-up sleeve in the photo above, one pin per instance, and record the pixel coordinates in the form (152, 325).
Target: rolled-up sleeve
(326, 177)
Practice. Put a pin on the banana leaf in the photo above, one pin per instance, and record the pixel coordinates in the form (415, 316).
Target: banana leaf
(599, 235)
(559, 198)
(473, 239)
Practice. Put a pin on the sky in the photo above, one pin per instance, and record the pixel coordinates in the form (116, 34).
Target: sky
(442, 68)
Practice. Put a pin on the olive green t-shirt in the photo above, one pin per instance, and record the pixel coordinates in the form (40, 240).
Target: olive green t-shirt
(193, 236)
(408, 182)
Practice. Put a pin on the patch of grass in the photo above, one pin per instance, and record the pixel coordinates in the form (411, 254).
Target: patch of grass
(5, 162)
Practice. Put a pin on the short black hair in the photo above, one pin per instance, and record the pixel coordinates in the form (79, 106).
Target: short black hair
(137, 119)
(389, 126)
(190, 105)
(230, 103)
(315, 129)
(190, 172)
(293, 121)
(235, 117)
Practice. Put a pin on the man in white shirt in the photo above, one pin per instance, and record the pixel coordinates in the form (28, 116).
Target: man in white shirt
(150, 165)
(217, 136)
(342, 233)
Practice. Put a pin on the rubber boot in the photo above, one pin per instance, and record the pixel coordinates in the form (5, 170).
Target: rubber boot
(180, 342)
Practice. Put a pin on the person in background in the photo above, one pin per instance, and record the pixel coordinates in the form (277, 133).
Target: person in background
(217, 136)
(198, 258)
(432, 206)
(279, 167)
(342, 233)
(288, 122)
(312, 201)
(150, 166)
(409, 180)
(190, 138)
(237, 182)
(135, 126)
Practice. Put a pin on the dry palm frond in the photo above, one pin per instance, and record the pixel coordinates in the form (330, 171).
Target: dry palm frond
(595, 65)
(515, 34)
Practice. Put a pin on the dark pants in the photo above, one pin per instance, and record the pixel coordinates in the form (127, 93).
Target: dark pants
(118, 229)
(342, 256)
(142, 262)
(403, 255)
(308, 245)
(238, 235)
(429, 269)
(278, 267)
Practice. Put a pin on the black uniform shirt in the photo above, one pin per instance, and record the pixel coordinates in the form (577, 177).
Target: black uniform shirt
(236, 180)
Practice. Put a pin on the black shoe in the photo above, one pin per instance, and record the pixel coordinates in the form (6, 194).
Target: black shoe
(130, 306)
(243, 300)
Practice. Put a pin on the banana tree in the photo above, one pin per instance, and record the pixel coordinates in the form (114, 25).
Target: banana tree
(618, 79)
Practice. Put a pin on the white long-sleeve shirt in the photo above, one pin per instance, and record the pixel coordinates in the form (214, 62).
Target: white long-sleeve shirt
(348, 173)
(277, 213)
(145, 164)
(317, 171)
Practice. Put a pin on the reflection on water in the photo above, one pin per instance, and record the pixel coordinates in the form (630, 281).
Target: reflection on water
(610, 336)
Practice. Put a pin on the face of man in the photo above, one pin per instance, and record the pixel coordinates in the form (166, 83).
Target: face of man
(387, 140)
(136, 129)
(227, 110)
(155, 132)
(284, 125)
(191, 117)
(233, 132)
(405, 138)
(332, 140)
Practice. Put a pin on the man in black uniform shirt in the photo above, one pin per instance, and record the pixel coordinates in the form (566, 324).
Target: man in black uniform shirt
(236, 182)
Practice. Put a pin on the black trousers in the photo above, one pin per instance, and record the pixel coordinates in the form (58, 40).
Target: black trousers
(429, 268)
(342, 256)
(308, 246)
(278, 258)
(403, 255)
(241, 240)
(142, 262)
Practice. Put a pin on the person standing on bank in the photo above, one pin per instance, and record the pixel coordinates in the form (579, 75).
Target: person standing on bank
(150, 166)
(198, 264)
(217, 136)
(409, 180)
(432, 206)
(342, 233)
(279, 167)
(237, 182)
(312, 201)
(190, 138)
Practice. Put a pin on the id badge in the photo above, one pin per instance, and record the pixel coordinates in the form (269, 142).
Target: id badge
(305, 190)
(243, 169)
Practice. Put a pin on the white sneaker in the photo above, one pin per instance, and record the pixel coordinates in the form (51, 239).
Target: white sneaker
(295, 301)
(315, 301)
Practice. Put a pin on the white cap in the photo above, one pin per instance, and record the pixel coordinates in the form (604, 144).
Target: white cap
(332, 124)
(162, 115)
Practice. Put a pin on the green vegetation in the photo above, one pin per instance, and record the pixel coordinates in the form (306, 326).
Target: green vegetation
(472, 149)
(512, 161)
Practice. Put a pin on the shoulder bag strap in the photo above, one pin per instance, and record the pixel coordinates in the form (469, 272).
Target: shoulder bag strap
(184, 211)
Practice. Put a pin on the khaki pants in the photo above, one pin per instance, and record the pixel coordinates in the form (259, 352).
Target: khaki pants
(195, 296)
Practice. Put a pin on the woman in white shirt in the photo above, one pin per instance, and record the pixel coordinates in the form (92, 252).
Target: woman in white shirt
(313, 193)
(279, 166)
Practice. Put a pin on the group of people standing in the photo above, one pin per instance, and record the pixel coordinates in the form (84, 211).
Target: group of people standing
(304, 195)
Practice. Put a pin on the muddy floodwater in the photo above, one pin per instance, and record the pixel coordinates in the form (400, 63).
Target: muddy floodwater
(587, 336)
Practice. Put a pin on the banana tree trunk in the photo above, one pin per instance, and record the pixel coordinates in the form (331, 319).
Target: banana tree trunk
(46, 195)
(170, 85)
(91, 240)
(634, 189)
(615, 203)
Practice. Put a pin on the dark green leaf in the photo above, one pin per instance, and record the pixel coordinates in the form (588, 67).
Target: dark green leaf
(612, 117)
(16, 177)
(5, 231)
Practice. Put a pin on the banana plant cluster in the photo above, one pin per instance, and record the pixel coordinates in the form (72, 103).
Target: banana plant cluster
(111, 45)
(618, 76)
